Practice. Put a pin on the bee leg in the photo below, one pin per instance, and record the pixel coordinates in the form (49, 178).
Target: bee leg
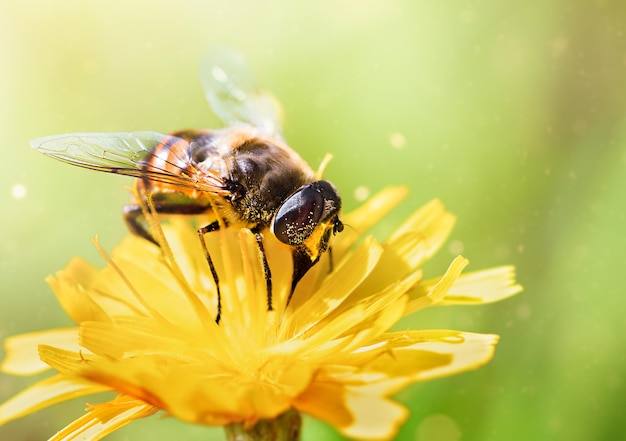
(137, 228)
(266, 268)
(213, 226)
(133, 215)
(135, 220)
(331, 263)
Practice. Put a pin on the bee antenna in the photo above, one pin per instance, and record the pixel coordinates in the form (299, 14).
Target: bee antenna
(350, 227)
(322, 167)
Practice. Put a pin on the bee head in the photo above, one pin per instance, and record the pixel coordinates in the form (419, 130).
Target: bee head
(308, 217)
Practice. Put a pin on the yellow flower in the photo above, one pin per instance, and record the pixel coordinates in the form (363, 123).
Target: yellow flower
(146, 329)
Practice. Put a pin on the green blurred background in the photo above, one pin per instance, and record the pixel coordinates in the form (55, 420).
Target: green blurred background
(513, 113)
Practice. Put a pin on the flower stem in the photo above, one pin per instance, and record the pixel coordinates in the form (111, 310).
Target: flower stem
(285, 427)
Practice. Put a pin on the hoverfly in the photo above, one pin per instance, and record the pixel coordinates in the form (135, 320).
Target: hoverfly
(245, 173)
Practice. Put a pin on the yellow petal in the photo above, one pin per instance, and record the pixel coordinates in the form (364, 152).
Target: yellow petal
(468, 350)
(102, 419)
(390, 269)
(135, 337)
(304, 313)
(354, 414)
(113, 341)
(186, 249)
(244, 311)
(485, 286)
(423, 296)
(70, 287)
(422, 355)
(359, 221)
(326, 402)
(139, 285)
(45, 393)
(199, 391)
(376, 313)
(414, 242)
(374, 417)
(64, 361)
(423, 233)
(22, 356)
(219, 401)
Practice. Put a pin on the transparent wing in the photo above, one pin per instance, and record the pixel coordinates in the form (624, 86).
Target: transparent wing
(232, 93)
(132, 154)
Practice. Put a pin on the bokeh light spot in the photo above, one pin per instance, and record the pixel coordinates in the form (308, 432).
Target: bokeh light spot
(397, 140)
(438, 427)
(18, 191)
(361, 193)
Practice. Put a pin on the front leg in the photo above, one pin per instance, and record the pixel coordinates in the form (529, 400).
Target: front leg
(133, 214)
(266, 268)
(214, 226)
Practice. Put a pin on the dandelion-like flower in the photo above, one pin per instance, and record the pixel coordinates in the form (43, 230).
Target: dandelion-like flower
(146, 329)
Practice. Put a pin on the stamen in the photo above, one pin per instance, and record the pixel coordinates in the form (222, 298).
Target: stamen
(126, 281)
(150, 213)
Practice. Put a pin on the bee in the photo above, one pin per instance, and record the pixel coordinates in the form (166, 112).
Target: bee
(244, 173)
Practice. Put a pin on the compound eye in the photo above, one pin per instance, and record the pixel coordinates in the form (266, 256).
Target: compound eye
(304, 210)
